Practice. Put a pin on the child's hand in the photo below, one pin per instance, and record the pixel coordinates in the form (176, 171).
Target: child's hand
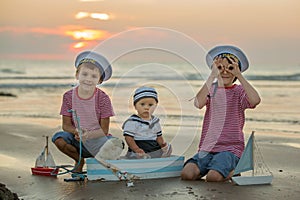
(76, 134)
(216, 66)
(234, 67)
(140, 153)
(167, 150)
(84, 135)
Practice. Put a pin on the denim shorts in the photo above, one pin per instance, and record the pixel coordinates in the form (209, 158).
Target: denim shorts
(85, 153)
(223, 162)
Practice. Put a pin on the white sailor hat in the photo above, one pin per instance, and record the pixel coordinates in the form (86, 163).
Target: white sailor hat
(144, 92)
(100, 61)
(230, 50)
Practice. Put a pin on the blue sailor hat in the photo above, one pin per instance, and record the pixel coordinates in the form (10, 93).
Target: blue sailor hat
(100, 61)
(227, 49)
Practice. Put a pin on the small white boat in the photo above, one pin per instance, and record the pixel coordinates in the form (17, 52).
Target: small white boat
(252, 160)
(140, 168)
(45, 164)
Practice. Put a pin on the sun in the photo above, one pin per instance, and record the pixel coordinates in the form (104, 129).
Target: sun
(88, 34)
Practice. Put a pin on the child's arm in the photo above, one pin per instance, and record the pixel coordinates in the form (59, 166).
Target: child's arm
(104, 124)
(201, 97)
(253, 96)
(160, 141)
(133, 146)
(68, 126)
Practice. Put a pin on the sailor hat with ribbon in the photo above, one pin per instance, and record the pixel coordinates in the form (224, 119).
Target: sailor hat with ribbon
(228, 51)
(100, 61)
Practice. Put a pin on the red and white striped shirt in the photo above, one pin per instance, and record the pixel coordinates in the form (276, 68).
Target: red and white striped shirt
(90, 111)
(224, 121)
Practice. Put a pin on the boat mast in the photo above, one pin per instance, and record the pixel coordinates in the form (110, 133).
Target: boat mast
(253, 146)
(46, 147)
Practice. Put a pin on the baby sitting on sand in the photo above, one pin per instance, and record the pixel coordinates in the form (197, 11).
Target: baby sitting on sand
(142, 131)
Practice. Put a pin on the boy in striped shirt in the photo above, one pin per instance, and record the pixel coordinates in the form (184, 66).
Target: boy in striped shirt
(93, 107)
(222, 139)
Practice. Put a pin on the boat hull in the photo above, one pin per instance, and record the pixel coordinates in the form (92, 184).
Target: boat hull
(44, 171)
(142, 168)
(252, 180)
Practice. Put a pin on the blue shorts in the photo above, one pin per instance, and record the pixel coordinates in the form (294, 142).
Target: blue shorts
(223, 162)
(70, 139)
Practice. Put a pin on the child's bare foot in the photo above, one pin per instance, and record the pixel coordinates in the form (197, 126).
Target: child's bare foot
(80, 166)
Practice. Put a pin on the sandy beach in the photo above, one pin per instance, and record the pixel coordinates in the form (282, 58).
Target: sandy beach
(22, 141)
(21, 150)
(25, 119)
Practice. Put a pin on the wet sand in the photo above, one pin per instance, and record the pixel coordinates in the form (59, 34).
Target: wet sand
(21, 143)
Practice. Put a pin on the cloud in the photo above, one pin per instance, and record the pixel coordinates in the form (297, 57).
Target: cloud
(76, 32)
(99, 16)
(81, 15)
(25, 42)
(38, 30)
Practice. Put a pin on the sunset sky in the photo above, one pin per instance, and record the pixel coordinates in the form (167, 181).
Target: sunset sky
(268, 31)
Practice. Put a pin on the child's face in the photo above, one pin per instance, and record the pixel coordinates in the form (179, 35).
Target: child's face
(88, 76)
(225, 72)
(145, 107)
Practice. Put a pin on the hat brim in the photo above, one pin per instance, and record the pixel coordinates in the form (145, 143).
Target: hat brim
(101, 60)
(227, 49)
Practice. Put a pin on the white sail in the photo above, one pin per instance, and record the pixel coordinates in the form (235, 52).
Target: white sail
(50, 161)
(246, 161)
(40, 161)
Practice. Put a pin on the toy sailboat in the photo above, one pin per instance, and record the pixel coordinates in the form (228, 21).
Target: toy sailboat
(44, 164)
(252, 160)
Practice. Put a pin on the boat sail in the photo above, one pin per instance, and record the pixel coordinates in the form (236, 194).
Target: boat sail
(252, 160)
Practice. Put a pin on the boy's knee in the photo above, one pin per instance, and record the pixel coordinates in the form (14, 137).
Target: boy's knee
(187, 176)
(60, 143)
(214, 176)
(190, 172)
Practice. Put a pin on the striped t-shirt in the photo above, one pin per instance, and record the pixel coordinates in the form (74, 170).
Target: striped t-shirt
(224, 121)
(90, 111)
(141, 129)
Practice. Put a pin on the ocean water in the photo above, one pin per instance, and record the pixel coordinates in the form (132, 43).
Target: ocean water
(36, 74)
(38, 87)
